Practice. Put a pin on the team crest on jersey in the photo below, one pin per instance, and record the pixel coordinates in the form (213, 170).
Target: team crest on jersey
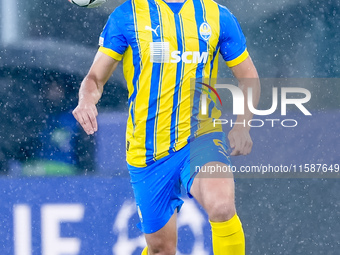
(205, 31)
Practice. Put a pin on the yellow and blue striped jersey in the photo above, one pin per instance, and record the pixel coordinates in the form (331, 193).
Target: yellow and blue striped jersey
(163, 54)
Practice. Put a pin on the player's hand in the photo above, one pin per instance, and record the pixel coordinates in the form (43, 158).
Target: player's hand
(240, 141)
(86, 114)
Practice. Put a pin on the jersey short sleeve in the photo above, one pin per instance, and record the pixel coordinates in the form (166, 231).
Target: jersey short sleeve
(232, 41)
(112, 41)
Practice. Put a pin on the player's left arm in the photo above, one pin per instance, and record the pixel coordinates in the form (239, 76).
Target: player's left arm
(239, 137)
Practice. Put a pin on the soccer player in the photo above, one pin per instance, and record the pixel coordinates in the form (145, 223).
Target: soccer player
(166, 46)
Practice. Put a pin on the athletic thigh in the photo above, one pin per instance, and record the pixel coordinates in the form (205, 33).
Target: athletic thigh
(215, 194)
(207, 176)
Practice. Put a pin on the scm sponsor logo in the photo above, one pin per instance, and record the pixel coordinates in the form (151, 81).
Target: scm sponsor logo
(189, 57)
(160, 53)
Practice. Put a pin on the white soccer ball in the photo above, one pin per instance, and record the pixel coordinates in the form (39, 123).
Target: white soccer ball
(87, 3)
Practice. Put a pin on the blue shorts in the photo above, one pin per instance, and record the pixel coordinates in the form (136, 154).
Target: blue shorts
(157, 187)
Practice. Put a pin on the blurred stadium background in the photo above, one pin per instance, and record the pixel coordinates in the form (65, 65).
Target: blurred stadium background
(63, 192)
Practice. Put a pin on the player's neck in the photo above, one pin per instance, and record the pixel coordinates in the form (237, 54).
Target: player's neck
(174, 1)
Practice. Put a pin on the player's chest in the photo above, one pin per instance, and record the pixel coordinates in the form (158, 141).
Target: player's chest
(173, 37)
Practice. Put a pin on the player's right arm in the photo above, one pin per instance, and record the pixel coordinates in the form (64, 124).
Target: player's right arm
(91, 90)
